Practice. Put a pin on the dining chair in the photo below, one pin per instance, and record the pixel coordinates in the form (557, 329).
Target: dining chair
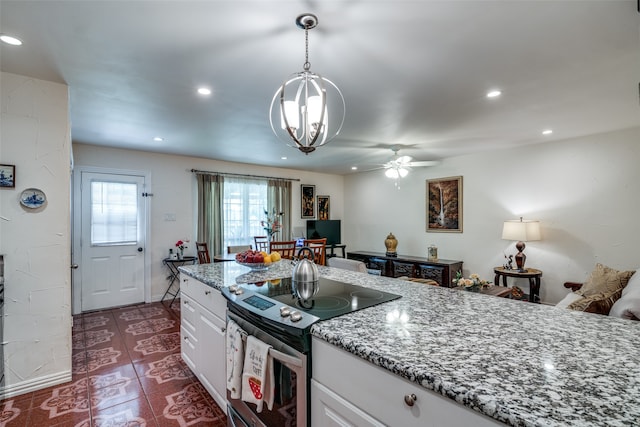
(287, 249)
(262, 243)
(238, 248)
(203, 253)
(319, 248)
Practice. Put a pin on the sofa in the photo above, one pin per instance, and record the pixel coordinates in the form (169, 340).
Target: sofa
(606, 291)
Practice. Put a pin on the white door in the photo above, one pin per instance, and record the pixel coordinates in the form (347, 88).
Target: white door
(112, 240)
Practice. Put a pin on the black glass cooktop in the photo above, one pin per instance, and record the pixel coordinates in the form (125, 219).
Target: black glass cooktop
(333, 298)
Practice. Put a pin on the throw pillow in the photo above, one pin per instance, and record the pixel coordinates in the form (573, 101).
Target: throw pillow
(628, 306)
(598, 303)
(569, 299)
(604, 280)
(633, 286)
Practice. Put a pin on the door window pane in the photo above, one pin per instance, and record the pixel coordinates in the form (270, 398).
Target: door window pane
(114, 213)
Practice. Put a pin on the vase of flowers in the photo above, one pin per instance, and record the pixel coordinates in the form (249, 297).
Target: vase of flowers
(472, 284)
(272, 224)
(181, 245)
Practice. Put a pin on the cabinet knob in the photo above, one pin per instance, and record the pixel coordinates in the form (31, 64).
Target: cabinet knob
(186, 302)
(187, 339)
(207, 292)
(410, 399)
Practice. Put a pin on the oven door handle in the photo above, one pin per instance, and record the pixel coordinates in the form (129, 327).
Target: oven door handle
(290, 361)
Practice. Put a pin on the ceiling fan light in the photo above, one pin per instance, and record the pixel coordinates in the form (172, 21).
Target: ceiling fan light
(403, 172)
(404, 159)
(392, 173)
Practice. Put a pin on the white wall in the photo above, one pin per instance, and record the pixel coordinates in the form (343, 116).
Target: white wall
(174, 192)
(35, 137)
(585, 192)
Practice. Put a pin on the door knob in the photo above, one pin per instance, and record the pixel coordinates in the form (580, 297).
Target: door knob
(139, 249)
(74, 266)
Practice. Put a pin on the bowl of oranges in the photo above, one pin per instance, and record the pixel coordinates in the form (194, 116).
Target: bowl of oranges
(257, 260)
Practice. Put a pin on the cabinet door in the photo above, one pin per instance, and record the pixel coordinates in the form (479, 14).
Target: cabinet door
(433, 272)
(402, 269)
(378, 264)
(211, 357)
(329, 410)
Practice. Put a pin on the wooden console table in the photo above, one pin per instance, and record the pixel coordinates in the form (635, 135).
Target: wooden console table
(442, 271)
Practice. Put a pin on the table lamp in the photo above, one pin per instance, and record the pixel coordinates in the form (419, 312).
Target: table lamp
(522, 231)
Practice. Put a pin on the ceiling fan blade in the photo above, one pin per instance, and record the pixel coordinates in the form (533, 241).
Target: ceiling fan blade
(424, 163)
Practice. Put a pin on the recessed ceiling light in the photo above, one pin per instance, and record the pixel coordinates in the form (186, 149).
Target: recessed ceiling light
(354, 168)
(10, 40)
(204, 91)
(493, 94)
(283, 158)
(547, 132)
(158, 139)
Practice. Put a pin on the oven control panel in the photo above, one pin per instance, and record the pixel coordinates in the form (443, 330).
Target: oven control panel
(268, 308)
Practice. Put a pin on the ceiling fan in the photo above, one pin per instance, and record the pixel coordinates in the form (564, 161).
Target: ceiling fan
(399, 166)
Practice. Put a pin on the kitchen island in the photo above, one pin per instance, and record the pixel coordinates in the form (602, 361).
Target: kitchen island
(519, 363)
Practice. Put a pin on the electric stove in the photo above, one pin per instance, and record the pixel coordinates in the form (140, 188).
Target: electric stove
(275, 301)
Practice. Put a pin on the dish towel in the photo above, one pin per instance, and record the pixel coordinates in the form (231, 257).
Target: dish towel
(257, 374)
(235, 357)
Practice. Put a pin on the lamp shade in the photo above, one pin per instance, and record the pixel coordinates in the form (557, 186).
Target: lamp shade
(519, 230)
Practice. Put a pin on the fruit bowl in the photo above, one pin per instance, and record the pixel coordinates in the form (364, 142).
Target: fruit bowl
(257, 265)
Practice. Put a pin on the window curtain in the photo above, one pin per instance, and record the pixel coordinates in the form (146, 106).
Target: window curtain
(210, 193)
(279, 196)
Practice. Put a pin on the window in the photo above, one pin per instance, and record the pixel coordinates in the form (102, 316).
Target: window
(244, 203)
(114, 213)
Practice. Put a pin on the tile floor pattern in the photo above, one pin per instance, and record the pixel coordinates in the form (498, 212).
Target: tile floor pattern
(126, 371)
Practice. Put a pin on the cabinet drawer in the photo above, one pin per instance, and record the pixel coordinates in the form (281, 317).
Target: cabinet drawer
(205, 295)
(188, 348)
(381, 394)
(188, 313)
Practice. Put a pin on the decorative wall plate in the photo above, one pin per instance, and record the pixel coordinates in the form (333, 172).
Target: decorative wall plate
(32, 198)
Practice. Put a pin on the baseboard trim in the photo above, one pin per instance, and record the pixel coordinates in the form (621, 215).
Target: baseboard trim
(34, 384)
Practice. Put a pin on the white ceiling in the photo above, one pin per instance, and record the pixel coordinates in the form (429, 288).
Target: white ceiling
(413, 73)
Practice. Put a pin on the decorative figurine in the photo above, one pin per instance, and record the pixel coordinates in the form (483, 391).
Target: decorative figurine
(509, 265)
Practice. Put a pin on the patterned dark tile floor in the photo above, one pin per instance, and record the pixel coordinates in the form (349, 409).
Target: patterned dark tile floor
(126, 371)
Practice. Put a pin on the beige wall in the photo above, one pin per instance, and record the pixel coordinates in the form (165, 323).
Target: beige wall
(174, 193)
(585, 192)
(35, 137)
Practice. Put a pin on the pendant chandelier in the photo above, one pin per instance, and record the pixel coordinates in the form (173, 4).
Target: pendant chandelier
(302, 114)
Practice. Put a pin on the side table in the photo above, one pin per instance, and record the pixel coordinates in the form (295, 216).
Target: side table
(174, 275)
(532, 274)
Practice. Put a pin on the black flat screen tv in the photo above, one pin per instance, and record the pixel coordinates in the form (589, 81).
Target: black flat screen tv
(329, 228)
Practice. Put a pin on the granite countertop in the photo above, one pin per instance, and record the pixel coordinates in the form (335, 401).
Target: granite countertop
(521, 363)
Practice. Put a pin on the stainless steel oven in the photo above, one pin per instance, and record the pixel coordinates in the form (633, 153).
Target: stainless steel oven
(291, 386)
(271, 312)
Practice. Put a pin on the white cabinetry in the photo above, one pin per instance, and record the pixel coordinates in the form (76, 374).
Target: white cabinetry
(202, 333)
(347, 390)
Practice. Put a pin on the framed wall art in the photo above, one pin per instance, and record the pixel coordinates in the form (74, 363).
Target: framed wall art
(444, 205)
(308, 198)
(323, 208)
(7, 176)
